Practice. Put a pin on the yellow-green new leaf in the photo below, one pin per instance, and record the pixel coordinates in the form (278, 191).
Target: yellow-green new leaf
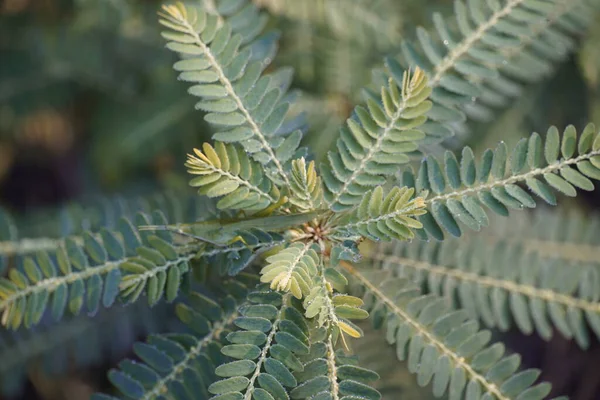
(307, 190)
(292, 270)
(376, 141)
(382, 217)
(226, 171)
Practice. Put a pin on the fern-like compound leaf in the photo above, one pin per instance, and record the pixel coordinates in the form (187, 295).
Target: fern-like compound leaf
(92, 339)
(182, 364)
(552, 34)
(511, 279)
(329, 374)
(376, 140)
(248, 109)
(445, 348)
(487, 51)
(69, 278)
(334, 311)
(567, 235)
(307, 189)
(271, 336)
(226, 171)
(123, 263)
(463, 190)
(381, 216)
(292, 269)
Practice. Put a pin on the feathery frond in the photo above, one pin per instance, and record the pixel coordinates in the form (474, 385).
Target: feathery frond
(462, 188)
(381, 216)
(445, 347)
(25, 294)
(292, 269)
(250, 109)
(541, 48)
(307, 189)
(182, 363)
(226, 170)
(329, 374)
(82, 340)
(375, 141)
(505, 286)
(486, 51)
(569, 235)
(271, 337)
(114, 263)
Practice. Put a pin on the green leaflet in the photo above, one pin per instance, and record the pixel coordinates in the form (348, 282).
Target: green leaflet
(330, 372)
(492, 285)
(486, 51)
(500, 184)
(292, 269)
(178, 363)
(441, 346)
(226, 171)
(376, 140)
(381, 216)
(244, 107)
(307, 190)
(333, 310)
(273, 354)
(122, 262)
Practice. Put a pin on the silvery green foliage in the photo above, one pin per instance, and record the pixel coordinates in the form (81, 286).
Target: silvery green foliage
(274, 288)
(463, 190)
(226, 171)
(488, 51)
(181, 363)
(514, 283)
(87, 272)
(91, 273)
(445, 348)
(247, 106)
(376, 140)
